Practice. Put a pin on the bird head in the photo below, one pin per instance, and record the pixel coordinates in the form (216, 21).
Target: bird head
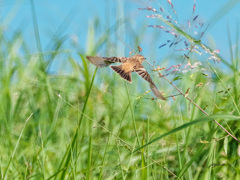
(140, 58)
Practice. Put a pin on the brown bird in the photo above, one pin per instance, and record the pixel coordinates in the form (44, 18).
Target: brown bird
(129, 65)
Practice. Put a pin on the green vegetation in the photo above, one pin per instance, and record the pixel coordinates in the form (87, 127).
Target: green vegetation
(90, 124)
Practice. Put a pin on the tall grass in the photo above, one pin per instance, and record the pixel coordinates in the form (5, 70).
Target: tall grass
(89, 124)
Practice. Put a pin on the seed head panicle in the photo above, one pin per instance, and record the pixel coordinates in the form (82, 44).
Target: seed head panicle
(182, 37)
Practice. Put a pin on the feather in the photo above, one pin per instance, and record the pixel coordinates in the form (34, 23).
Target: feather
(98, 61)
(125, 75)
(105, 61)
(140, 70)
(156, 92)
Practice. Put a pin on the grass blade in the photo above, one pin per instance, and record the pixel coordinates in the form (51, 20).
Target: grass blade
(72, 144)
(132, 115)
(222, 12)
(14, 151)
(215, 72)
(144, 169)
(104, 157)
(197, 154)
(37, 36)
(89, 165)
(202, 120)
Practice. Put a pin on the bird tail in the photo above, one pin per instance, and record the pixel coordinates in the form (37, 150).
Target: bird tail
(125, 75)
(98, 61)
(156, 92)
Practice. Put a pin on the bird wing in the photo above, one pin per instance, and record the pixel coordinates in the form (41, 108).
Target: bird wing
(123, 73)
(116, 59)
(141, 71)
(105, 61)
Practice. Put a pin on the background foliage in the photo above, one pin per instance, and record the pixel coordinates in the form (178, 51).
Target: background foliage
(71, 120)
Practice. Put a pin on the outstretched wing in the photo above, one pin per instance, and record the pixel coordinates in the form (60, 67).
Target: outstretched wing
(116, 59)
(105, 61)
(141, 71)
(123, 73)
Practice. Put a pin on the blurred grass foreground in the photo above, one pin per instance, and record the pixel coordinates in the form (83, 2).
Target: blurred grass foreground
(62, 118)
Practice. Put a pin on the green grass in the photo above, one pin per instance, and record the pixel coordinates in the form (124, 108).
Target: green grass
(90, 124)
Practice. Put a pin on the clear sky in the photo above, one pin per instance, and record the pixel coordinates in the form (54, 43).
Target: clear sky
(73, 18)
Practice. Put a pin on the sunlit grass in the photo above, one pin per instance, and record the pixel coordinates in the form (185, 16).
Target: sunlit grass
(90, 124)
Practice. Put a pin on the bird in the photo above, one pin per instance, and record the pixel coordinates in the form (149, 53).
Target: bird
(128, 65)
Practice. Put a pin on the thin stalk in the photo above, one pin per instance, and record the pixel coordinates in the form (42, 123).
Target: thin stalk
(120, 162)
(200, 108)
(196, 104)
(104, 156)
(89, 164)
(133, 118)
(72, 144)
(215, 72)
(126, 145)
(14, 151)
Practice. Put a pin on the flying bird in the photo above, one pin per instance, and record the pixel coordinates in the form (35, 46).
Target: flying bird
(129, 65)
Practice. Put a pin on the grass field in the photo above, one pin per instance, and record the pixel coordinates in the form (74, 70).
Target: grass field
(81, 122)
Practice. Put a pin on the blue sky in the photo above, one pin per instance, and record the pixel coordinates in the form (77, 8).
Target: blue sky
(76, 17)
